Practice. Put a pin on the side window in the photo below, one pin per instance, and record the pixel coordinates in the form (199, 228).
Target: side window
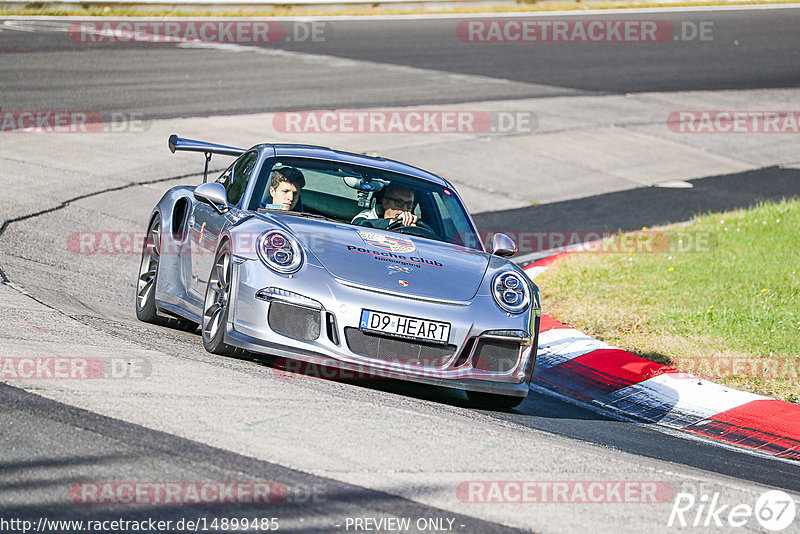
(450, 227)
(225, 177)
(236, 177)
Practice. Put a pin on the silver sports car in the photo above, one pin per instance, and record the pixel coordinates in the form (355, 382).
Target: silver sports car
(341, 260)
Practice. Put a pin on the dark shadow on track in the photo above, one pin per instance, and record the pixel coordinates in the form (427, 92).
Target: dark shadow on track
(130, 453)
(439, 394)
(648, 206)
(547, 413)
(651, 442)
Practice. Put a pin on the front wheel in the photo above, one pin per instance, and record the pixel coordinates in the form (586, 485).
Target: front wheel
(216, 305)
(493, 400)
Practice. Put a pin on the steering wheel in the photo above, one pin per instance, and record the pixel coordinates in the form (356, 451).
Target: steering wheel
(421, 229)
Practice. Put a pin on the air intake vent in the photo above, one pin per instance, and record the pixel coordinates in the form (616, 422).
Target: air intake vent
(294, 321)
(330, 326)
(396, 350)
(496, 356)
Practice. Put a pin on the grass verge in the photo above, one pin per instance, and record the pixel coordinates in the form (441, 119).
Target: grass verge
(718, 297)
(95, 9)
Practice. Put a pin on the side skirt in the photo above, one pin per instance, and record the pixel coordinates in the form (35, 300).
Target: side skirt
(176, 311)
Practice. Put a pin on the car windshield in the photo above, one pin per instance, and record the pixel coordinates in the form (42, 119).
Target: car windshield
(354, 194)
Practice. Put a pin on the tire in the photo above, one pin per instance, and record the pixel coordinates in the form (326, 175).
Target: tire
(148, 278)
(215, 304)
(148, 275)
(493, 400)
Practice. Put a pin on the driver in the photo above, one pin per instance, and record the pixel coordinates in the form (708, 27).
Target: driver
(285, 186)
(396, 205)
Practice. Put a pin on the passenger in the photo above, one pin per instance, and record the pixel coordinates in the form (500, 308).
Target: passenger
(396, 205)
(285, 186)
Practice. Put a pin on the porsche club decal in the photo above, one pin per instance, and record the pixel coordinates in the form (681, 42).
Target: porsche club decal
(389, 243)
(392, 250)
(406, 263)
(403, 283)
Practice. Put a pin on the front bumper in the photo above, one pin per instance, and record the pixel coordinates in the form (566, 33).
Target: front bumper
(477, 357)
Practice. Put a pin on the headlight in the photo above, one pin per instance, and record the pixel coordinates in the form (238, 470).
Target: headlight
(280, 252)
(511, 292)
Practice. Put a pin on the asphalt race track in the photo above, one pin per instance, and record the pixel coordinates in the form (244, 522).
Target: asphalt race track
(347, 450)
(749, 50)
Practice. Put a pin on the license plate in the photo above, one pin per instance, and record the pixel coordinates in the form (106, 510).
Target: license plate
(404, 326)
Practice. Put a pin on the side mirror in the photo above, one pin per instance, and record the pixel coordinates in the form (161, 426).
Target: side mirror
(502, 245)
(212, 193)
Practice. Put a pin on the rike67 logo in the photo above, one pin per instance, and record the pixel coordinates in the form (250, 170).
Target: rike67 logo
(774, 510)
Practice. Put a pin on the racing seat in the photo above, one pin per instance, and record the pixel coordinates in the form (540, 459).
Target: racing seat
(377, 198)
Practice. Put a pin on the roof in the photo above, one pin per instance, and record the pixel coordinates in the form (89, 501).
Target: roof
(321, 152)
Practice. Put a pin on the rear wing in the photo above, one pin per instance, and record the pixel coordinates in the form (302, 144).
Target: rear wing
(190, 145)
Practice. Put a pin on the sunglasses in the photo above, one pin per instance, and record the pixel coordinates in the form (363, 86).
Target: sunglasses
(399, 203)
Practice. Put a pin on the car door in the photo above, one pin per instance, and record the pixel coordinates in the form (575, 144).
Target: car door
(207, 223)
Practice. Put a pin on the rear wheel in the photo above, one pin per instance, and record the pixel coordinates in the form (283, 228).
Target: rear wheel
(493, 400)
(216, 306)
(148, 274)
(148, 277)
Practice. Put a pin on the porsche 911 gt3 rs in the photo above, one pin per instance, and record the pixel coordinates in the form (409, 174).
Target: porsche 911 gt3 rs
(324, 282)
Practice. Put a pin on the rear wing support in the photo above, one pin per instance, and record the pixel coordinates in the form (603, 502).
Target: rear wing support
(190, 145)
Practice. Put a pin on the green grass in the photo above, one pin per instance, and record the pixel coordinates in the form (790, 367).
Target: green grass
(719, 298)
(98, 9)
